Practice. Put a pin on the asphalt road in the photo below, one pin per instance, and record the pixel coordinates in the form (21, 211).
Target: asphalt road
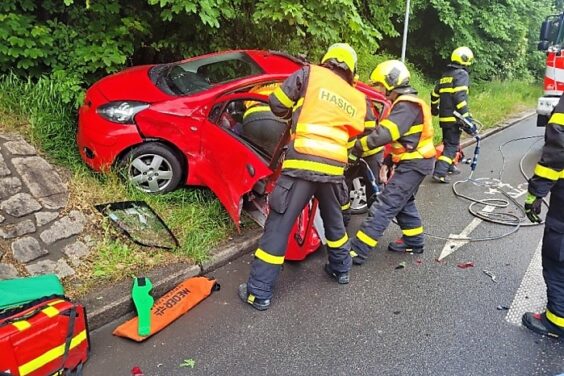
(429, 318)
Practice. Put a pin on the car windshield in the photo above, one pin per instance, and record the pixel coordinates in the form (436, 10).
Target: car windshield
(200, 74)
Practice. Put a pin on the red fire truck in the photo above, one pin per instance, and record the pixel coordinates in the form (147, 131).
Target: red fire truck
(552, 42)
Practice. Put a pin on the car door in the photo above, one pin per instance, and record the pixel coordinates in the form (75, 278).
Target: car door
(231, 165)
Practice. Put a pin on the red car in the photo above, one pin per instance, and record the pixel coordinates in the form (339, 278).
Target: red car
(176, 124)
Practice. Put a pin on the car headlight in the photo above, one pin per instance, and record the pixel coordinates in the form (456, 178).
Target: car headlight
(121, 112)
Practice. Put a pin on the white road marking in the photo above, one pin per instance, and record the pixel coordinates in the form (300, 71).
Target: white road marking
(453, 245)
(531, 294)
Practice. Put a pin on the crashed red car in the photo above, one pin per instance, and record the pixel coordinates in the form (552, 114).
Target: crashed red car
(175, 124)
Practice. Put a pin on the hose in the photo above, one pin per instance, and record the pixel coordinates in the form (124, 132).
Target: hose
(503, 218)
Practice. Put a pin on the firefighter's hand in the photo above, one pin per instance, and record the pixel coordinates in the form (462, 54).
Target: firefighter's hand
(384, 174)
(356, 151)
(435, 110)
(470, 127)
(533, 208)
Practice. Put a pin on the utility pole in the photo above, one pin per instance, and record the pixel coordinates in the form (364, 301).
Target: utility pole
(405, 27)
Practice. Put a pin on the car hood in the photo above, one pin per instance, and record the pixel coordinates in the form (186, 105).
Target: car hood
(131, 84)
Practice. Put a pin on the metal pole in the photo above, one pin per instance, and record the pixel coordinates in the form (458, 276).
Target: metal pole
(405, 27)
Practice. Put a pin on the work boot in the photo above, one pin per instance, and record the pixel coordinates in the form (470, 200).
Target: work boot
(441, 179)
(400, 246)
(260, 304)
(342, 278)
(453, 170)
(539, 324)
(357, 259)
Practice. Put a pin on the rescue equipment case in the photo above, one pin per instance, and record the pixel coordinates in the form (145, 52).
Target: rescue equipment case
(44, 337)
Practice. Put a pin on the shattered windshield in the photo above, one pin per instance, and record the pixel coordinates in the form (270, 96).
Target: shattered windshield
(197, 75)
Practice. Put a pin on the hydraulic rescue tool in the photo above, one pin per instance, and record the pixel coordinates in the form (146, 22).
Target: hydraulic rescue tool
(471, 129)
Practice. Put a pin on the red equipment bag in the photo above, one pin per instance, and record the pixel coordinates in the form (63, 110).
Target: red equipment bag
(45, 337)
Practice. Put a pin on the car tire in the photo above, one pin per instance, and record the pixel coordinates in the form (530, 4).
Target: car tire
(152, 168)
(357, 194)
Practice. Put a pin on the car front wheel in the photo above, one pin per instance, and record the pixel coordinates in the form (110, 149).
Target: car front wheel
(357, 193)
(152, 168)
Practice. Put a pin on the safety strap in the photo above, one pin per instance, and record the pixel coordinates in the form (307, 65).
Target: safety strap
(70, 332)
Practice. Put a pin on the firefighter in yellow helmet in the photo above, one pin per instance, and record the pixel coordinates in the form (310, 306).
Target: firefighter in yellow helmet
(326, 111)
(409, 129)
(449, 95)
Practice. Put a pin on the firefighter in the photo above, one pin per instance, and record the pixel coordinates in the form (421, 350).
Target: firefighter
(260, 125)
(326, 111)
(449, 95)
(409, 129)
(549, 177)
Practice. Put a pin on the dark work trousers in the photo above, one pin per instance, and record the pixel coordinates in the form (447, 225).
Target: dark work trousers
(451, 142)
(286, 202)
(553, 255)
(397, 200)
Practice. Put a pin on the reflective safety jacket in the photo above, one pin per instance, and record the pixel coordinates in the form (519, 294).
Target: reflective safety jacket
(451, 94)
(409, 128)
(550, 168)
(326, 112)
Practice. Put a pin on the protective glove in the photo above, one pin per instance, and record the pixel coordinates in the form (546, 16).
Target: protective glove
(533, 208)
(356, 151)
(434, 110)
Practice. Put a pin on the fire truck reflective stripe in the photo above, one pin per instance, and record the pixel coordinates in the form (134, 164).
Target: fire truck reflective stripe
(21, 325)
(557, 119)
(461, 104)
(370, 124)
(414, 129)
(346, 206)
(50, 311)
(548, 173)
(392, 128)
(372, 152)
(446, 159)
(453, 89)
(313, 166)
(337, 243)
(413, 231)
(557, 320)
(268, 258)
(255, 109)
(51, 355)
(282, 97)
(447, 119)
(363, 237)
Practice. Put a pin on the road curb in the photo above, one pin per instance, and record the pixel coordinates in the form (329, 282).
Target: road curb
(490, 132)
(114, 302)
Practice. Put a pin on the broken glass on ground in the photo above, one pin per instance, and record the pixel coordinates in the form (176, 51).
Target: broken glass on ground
(139, 222)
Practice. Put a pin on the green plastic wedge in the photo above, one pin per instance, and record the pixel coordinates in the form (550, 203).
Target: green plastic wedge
(143, 303)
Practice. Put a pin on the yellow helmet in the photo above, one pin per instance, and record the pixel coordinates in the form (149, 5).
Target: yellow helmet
(343, 53)
(392, 74)
(463, 56)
